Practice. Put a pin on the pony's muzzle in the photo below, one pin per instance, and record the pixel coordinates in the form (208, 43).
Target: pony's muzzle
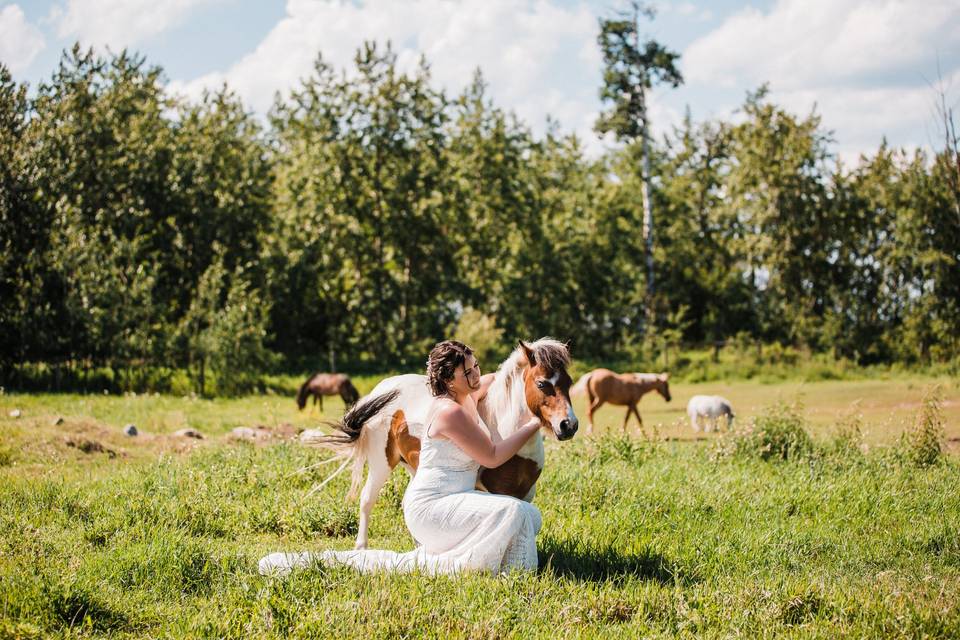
(567, 429)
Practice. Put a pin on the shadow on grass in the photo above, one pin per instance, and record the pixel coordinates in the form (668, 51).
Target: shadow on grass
(570, 560)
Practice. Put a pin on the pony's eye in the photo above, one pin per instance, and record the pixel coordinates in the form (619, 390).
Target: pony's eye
(543, 384)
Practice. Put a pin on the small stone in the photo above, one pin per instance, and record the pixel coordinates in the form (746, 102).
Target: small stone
(312, 436)
(16, 413)
(243, 433)
(57, 421)
(130, 430)
(188, 433)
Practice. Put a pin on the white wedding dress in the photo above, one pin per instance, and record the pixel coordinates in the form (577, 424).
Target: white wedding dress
(456, 527)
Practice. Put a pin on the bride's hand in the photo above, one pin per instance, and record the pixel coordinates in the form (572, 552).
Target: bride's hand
(531, 423)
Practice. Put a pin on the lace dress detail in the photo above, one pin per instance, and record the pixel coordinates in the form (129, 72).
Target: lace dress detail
(457, 528)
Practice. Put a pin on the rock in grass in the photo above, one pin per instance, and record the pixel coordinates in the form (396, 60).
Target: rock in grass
(312, 436)
(57, 421)
(243, 433)
(16, 413)
(130, 430)
(251, 434)
(188, 433)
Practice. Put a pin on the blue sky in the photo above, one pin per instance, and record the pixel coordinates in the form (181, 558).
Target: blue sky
(869, 66)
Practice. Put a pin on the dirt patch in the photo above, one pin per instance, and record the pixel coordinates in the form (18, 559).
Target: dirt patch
(89, 446)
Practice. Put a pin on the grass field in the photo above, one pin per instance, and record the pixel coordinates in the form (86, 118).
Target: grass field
(158, 536)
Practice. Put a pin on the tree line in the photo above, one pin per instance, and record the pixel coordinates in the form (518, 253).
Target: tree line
(370, 212)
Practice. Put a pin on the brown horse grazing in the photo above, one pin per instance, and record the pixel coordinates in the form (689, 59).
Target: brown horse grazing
(603, 385)
(327, 384)
(384, 431)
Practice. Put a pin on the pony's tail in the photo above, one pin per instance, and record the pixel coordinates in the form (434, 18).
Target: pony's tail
(303, 393)
(581, 386)
(351, 425)
(349, 443)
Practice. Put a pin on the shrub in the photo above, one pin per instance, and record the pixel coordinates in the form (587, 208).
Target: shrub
(778, 433)
(922, 445)
(847, 440)
(609, 447)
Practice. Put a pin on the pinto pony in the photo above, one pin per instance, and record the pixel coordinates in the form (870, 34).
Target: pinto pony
(327, 384)
(603, 385)
(384, 430)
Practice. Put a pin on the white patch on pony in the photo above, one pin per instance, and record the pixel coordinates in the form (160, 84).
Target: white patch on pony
(507, 397)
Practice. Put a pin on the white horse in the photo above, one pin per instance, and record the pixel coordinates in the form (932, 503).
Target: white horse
(384, 429)
(707, 410)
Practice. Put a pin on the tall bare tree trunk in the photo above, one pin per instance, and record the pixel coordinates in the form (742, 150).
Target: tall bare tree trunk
(645, 188)
(647, 218)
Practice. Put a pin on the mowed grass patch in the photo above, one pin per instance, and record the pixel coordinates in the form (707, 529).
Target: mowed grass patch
(887, 407)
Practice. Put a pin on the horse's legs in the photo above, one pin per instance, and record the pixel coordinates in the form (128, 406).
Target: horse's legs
(378, 470)
(639, 419)
(594, 405)
(632, 408)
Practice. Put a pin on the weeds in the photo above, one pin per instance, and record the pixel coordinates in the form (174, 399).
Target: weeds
(778, 433)
(922, 445)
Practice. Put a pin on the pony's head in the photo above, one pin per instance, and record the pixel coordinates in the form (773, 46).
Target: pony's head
(349, 393)
(547, 385)
(662, 385)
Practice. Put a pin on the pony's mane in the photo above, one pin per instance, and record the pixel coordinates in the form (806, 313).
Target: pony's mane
(648, 377)
(506, 398)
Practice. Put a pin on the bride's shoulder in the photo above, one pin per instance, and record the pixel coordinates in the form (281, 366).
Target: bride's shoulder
(449, 414)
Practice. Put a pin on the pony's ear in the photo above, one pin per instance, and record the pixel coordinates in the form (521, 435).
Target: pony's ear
(528, 353)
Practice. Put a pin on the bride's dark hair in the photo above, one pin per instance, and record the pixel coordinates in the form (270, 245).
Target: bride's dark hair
(442, 363)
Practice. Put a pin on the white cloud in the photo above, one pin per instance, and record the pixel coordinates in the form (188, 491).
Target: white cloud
(864, 63)
(860, 118)
(537, 57)
(804, 42)
(20, 41)
(120, 23)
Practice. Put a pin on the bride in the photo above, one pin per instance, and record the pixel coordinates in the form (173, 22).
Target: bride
(457, 528)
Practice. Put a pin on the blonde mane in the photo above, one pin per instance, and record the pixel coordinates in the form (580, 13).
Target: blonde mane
(506, 400)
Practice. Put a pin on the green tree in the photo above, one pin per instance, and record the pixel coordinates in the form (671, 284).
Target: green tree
(22, 232)
(630, 71)
(700, 262)
(777, 188)
(102, 152)
(362, 177)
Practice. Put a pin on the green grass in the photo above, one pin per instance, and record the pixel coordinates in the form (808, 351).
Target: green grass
(641, 538)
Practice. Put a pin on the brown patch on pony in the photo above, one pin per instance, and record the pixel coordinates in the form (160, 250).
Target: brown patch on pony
(401, 446)
(515, 477)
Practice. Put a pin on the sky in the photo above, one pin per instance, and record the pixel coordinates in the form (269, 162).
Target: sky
(872, 69)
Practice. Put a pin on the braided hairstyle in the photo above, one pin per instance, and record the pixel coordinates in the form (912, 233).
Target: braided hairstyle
(442, 363)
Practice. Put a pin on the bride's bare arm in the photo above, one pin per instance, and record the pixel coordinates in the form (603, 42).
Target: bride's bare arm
(457, 426)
